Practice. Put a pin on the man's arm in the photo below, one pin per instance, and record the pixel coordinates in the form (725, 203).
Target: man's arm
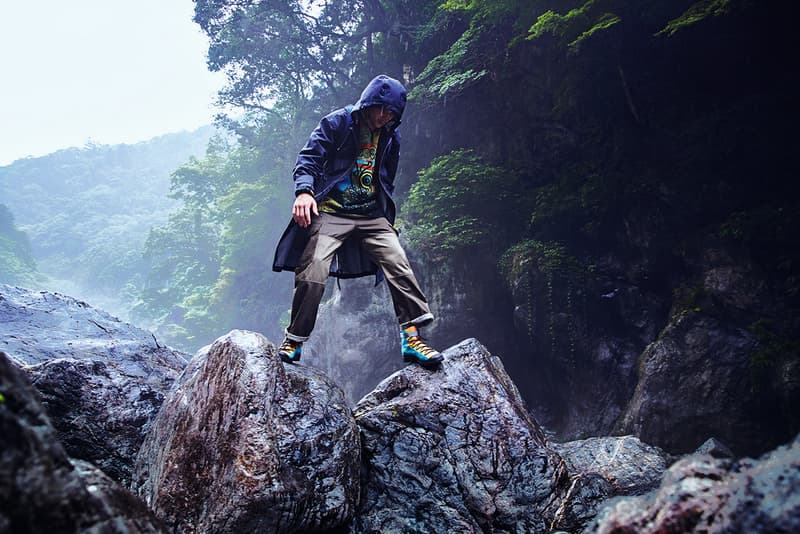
(310, 166)
(312, 158)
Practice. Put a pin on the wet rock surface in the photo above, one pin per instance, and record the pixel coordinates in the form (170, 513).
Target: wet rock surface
(101, 381)
(696, 380)
(245, 443)
(602, 468)
(454, 450)
(701, 493)
(40, 489)
(630, 465)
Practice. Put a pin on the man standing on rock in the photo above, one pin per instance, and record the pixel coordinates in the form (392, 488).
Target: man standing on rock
(343, 215)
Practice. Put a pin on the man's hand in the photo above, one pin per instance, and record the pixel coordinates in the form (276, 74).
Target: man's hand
(304, 205)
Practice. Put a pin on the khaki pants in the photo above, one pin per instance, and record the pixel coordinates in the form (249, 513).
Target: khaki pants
(379, 239)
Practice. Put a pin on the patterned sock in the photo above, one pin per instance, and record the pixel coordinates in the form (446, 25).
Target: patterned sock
(411, 331)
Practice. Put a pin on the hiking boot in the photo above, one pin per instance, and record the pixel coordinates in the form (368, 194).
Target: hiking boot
(290, 351)
(416, 350)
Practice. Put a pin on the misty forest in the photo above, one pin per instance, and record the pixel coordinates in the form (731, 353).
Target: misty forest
(599, 199)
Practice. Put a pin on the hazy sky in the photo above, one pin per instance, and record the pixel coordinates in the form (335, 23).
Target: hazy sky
(109, 71)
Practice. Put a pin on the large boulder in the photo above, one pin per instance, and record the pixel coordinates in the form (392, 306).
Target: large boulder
(701, 493)
(601, 468)
(101, 381)
(246, 444)
(40, 489)
(697, 380)
(454, 450)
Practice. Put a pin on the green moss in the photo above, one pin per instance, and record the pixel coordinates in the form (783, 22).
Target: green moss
(458, 5)
(760, 223)
(696, 13)
(460, 202)
(548, 257)
(686, 300)
(575, 26)
(605, 21)
(448, 74)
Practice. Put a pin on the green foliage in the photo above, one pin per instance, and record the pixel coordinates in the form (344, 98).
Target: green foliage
(478, 52)
(686, 300)
(548, 257)
(575, 26)
(697, 13)
(88, 211)
(460, 202)
(17, 266)
(285, 52)
(446, 74)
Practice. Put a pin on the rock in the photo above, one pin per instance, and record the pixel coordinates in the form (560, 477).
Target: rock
(246, 444)
(40, 489)
(583, 329)
(715, 448)
(704, 494)
(356, 340)
(454, 450)
(695, 380)
(118, 501)
(602, 468)
(101, 380)
(352, 355)
(584, 497)
(38, 326)
(631, 466)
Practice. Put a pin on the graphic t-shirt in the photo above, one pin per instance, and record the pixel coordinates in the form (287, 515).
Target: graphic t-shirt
(359, 194)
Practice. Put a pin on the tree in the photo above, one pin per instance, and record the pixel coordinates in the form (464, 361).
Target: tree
(17, 265)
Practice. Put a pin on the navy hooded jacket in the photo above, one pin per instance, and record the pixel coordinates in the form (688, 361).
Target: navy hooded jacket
(329, 157)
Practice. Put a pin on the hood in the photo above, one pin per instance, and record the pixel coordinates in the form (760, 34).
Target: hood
(383, 91)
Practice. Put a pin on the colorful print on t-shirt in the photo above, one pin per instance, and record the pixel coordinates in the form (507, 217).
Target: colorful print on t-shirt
(359, 194)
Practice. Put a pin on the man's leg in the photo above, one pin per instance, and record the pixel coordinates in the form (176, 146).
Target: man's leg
(380, 240)
(327, 233)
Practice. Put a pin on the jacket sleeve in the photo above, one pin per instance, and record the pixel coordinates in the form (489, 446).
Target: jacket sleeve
(312, 158)
(392, 160)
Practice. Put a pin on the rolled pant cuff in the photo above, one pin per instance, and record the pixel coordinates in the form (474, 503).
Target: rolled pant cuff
(293, 337)
(419, 321)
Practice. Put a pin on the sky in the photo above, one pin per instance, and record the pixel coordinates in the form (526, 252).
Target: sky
(99, 71)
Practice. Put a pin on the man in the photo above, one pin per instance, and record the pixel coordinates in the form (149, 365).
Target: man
(343, 215)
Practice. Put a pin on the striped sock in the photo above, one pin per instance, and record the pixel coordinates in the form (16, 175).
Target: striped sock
(411, 331)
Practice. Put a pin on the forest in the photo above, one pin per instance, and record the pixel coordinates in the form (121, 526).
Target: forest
(577, 180)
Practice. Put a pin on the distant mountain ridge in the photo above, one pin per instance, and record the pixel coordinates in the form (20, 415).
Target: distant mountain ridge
(87, 211)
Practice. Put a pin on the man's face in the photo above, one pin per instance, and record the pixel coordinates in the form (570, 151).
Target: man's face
(379, 116)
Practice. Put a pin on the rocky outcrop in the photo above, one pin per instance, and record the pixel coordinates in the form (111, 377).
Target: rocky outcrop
(602, 468)
(454, 450)
(696, 381)
(703, 494)
(584, 331)
(40, 489)
(246, 444)
(101, 381)
(707, 345)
